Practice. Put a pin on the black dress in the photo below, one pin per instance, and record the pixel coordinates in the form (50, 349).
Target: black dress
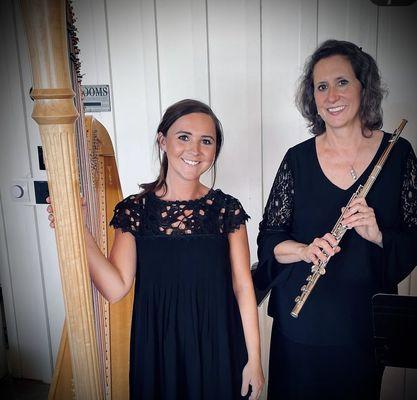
(327, 353)
(187, 339)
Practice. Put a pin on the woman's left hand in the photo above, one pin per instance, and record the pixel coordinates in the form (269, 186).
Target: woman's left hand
(362, 217)
(252, 375)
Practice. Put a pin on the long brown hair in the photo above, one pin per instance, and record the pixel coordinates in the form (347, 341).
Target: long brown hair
(175, 111)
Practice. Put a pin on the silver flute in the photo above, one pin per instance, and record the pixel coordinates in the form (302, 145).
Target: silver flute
(339, 230)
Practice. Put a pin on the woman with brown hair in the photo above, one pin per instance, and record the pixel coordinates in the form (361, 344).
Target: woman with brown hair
(327, 352)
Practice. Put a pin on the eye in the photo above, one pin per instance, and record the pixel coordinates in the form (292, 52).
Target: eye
(183, 137)
(321, 87)
(207, 141)
(343, 82)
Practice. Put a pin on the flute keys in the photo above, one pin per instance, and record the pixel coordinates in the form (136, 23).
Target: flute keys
(308, 279)
(297, 299)
(303, 288)
(322, 271)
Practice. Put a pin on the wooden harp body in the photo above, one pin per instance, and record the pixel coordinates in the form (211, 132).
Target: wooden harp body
(93, 357)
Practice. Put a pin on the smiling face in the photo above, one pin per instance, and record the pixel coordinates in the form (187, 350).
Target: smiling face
(337, 92)
(190, 146)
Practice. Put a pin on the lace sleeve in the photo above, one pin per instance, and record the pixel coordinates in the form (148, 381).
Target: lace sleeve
(127, 215)
(235, 215)
(278, 211)
(409, 192)
(399, 244)
(274, 229)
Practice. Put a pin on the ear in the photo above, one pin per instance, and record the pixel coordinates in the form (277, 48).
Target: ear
(161, 141)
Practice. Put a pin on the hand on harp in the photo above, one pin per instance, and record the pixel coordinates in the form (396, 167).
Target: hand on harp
(50, 211)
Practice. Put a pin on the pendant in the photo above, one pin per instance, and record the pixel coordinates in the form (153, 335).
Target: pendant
(353, 173)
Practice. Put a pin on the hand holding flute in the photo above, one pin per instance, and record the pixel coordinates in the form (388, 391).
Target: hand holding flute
(356, 215)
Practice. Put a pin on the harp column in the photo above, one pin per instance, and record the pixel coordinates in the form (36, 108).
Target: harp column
(55, 113)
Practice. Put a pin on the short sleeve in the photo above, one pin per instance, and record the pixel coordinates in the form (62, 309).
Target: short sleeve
(127, 215)
(235, 215)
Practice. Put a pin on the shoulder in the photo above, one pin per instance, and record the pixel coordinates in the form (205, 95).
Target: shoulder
(128, 213)
(402, 148)
(299, 153)
(302, 148)
(225, 199)
(230, 207)
(133, 201)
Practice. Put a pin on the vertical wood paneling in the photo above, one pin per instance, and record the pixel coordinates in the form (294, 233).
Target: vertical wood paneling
(182, 48)
(397, 46)
(235, 73)
(352, 20)
(13, 356)
(32, 355)
(132, 46)
(288, 37)
(92, 33)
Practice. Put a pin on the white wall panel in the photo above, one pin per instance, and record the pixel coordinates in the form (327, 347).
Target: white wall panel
(13, 354)
(235, 76)
(133, 61)
(397, 46)
(23, 268)
(91, 24)
(352, 20)
(182, 49)
(288, 37)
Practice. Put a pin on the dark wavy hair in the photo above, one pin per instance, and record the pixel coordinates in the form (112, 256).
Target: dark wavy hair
(366, 72)
(172, 113)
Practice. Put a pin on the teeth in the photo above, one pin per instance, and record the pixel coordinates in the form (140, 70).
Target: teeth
(190, 162)
(335, 109)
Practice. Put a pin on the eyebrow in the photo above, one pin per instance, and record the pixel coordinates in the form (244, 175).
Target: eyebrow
(190, 133)
(335, 79)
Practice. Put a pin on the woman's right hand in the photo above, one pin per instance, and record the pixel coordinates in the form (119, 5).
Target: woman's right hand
(319, 249)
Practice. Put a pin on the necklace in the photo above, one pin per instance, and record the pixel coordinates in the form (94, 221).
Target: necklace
(353, 173)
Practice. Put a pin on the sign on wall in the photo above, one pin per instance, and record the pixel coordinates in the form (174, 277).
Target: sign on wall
(96, 98)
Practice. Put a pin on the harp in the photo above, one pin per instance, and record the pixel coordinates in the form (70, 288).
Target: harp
(92, 362)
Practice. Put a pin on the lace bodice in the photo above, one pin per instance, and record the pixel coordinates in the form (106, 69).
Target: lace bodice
(214, 213)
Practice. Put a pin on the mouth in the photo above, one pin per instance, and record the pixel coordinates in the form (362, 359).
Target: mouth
(190, 162)
(335, 110)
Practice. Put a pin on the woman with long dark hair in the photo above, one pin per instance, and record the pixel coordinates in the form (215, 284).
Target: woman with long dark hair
(195, 324)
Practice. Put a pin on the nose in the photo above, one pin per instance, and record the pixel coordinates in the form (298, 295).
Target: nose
(332, 94)
(194, 147)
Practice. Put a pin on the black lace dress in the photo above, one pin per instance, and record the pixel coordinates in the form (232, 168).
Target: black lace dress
(327, 353)
(187, 339)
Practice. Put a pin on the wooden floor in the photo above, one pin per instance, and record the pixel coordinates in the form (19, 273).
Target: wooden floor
(22, 389)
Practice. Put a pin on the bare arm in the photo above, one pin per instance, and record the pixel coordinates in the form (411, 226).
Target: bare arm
(114, 276)
(245, 296)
